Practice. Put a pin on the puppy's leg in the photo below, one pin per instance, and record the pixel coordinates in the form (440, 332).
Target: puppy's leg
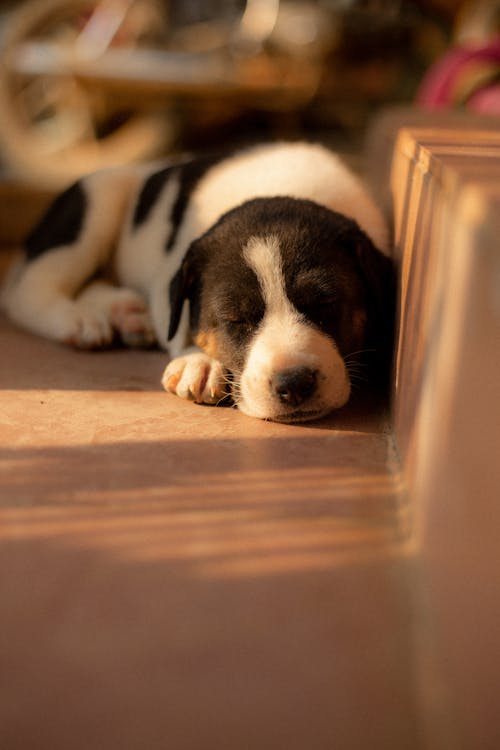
(70, 244)
(197, 377)
(191, 373)
(106, 309)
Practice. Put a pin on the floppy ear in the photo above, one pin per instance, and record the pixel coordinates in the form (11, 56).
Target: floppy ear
(185, 285)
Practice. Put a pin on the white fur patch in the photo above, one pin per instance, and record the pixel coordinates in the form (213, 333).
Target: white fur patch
(285, 340)
(263, 256)
(296, 170)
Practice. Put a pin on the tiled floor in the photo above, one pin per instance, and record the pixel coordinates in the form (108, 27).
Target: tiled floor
(183, 577)
(177, 576)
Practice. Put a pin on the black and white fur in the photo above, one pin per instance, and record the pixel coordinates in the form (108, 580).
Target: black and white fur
(278, 248)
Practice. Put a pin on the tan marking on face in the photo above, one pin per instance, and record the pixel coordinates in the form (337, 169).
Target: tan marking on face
(208, 342)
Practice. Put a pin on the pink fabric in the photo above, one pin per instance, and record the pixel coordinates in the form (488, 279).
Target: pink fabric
(438, 85)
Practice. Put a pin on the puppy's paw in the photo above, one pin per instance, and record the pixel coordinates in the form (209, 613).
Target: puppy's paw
(130, 317)
(196, 377)
(85, 330)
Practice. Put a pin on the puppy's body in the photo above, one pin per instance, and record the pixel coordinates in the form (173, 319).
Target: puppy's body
(247, 239)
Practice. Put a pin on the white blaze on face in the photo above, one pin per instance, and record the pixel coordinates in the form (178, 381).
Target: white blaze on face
(285, 340)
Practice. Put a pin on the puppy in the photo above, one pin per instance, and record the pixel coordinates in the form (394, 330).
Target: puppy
(264, 273)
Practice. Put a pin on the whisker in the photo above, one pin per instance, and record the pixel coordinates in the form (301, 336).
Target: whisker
(356, 367)
(358, 374)
(358, 379)
(360, 351)
(361, 376)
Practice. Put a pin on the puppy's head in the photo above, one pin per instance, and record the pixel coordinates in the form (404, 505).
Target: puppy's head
(283, 292)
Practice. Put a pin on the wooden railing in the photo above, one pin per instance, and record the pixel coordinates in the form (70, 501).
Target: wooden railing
(445, 183)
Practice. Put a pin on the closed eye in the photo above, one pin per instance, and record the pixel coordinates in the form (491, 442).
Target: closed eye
(240, 326)
(321, 313)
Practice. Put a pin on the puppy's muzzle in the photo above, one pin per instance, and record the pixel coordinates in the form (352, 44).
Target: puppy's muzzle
(295, 385)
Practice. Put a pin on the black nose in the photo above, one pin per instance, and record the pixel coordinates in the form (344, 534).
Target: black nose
(295, 385)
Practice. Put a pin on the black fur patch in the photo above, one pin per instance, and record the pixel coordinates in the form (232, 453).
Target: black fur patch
(150, 193)
(189, 175)
(61, 224)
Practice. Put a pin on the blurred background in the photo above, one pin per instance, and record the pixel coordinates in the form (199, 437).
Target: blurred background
(90, 83)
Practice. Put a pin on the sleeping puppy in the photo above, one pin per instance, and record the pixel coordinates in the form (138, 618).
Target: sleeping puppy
(264, 273)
